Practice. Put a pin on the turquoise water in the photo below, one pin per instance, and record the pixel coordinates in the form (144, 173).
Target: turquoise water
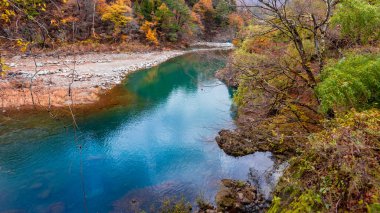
(151, 137)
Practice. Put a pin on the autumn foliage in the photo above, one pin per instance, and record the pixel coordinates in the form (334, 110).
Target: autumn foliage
(47, 23)
(119, 13)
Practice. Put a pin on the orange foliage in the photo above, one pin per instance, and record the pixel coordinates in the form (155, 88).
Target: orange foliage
(201, 13)
(101, 6)
(151, 36)
(236, 20)
(203, 6)
(235, 42)
(195, 18)
(146, 26)
(258, 44)
(69, 19)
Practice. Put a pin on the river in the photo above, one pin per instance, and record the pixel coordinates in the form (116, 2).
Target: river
(150, 138)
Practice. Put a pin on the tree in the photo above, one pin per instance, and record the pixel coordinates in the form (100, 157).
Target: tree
(167, 24)
(205, 10)
(358, 20)
(203, 6)
(235, 21)
(298, 20)
(277, 65)
(147, 8)
(24, 20)
(222, 10)
(119, 13)
(151, 36)
(181, 11)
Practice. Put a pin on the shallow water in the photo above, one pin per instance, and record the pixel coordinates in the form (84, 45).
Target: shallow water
(151, 137)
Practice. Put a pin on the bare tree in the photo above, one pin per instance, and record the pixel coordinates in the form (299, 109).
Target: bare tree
(291, 17)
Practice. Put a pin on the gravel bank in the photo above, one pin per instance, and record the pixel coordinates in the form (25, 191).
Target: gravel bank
(86, 75)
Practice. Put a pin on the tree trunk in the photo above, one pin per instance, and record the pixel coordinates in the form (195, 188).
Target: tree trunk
(301, 51)
(93, 20)
(1, 65)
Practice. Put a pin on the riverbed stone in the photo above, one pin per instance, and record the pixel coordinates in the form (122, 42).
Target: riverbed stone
(39, 64)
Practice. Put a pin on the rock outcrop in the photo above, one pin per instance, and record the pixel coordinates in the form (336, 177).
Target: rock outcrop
(239, 196)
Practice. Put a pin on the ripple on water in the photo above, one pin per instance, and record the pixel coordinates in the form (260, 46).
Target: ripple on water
(146, 141)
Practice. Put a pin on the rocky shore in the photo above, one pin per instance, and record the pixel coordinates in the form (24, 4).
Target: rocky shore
(57, 81)
(236, 196)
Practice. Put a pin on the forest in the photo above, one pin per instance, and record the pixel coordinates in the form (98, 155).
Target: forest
(47, 24)
(305, 76)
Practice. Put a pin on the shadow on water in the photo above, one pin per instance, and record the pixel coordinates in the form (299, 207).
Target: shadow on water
(144, 140)
(141, 92)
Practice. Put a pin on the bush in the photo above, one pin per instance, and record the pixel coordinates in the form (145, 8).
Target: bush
(359, 20)
(352, 82)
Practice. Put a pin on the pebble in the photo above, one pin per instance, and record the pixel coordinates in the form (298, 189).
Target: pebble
(39, 64)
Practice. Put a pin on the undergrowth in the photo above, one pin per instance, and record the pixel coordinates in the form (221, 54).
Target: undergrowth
(340, 170)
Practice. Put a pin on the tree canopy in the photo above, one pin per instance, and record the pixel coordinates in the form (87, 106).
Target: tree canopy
(50, 22)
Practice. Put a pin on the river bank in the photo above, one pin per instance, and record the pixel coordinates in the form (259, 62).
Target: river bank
(56, 81)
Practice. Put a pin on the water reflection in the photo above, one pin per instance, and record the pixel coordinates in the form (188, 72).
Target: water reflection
(146, 139)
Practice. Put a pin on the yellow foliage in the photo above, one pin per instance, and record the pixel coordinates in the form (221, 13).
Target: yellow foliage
(22, 44)
(146, 26)
(119, 13)
(5, 12)
(3, 67)
(54, 22)
(151, 36)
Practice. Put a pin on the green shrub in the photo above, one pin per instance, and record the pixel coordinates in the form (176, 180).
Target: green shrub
(359, 20)
(352, 82)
